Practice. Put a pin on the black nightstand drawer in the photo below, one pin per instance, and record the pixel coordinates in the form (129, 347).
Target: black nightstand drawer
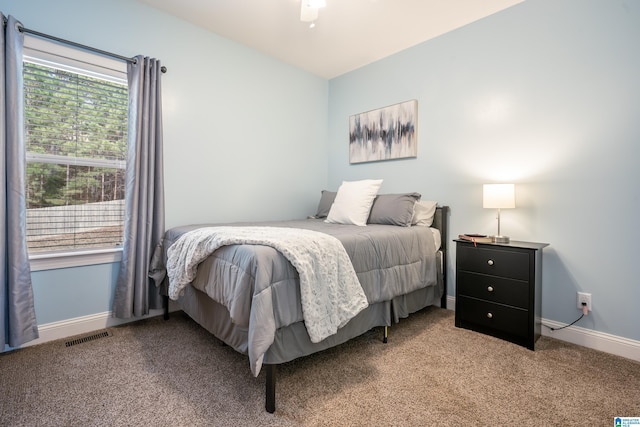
(496, 262)
(494, 289)
(496, 317)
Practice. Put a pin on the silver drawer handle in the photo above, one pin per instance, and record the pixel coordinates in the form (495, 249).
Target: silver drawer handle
(490, 288)
(489, 315)
(490, 262)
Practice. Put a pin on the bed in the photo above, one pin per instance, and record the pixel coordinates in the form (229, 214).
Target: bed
(251, 297)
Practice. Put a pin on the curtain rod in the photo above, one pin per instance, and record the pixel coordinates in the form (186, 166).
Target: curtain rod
(78, 45)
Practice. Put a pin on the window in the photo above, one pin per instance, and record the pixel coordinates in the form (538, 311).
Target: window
(76, 108)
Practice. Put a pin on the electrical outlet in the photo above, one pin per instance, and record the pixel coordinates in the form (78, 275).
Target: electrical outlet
(584, 297)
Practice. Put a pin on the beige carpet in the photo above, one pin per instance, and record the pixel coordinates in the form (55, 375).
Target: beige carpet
(173, 373)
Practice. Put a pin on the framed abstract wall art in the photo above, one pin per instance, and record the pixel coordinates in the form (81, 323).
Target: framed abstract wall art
(384, 134)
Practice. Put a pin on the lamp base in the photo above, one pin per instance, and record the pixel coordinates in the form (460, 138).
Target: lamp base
(500, 239)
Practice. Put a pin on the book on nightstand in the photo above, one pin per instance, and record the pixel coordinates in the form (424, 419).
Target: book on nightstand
(476, 238)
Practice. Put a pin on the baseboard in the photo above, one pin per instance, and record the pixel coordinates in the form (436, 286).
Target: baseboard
(451, 303)
(84, 324)
(593, 339)
(601, 341)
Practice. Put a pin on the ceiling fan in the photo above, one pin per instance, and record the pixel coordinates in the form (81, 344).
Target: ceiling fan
(309, 10)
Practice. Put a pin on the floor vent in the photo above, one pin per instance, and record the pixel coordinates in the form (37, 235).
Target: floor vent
(88, 338)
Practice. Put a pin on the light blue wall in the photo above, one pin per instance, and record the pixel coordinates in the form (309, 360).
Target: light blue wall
(68, 293)
(245, 135)
(545, 94)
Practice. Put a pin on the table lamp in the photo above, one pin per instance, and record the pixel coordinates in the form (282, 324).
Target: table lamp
(498, 196)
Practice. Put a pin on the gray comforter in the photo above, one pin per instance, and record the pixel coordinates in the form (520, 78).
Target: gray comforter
(330, 293)
(260, 288)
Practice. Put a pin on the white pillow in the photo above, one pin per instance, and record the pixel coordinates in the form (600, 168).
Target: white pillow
(423, 212)
(353, 202)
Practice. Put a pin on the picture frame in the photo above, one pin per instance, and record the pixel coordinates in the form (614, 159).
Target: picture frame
(386, 133)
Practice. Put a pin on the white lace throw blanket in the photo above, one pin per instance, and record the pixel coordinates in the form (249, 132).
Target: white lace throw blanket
(330, 292)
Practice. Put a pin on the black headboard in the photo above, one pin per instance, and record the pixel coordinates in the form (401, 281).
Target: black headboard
(441, 222)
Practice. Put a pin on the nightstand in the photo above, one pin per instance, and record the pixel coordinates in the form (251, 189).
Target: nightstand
(498, 289)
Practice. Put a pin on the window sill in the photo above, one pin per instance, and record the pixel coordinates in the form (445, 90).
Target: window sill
(55, 260)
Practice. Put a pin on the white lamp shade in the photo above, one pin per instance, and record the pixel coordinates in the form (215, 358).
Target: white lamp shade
(498, 196)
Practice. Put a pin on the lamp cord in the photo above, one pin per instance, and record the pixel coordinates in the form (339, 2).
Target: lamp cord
(565, 326)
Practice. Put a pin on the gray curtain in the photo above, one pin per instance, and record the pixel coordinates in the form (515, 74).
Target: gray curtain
(135, 291)
(17, 314)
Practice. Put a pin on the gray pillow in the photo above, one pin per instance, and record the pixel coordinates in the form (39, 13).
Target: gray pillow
(393, 209)
(326, 200)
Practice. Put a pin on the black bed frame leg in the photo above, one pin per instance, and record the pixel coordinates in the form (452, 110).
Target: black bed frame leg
(270, 392)
(165, 305)
(386, 334)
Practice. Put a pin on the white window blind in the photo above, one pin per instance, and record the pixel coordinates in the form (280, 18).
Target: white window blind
(76, 134)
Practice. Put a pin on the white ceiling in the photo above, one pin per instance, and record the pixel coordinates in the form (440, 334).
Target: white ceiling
(348, 33)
